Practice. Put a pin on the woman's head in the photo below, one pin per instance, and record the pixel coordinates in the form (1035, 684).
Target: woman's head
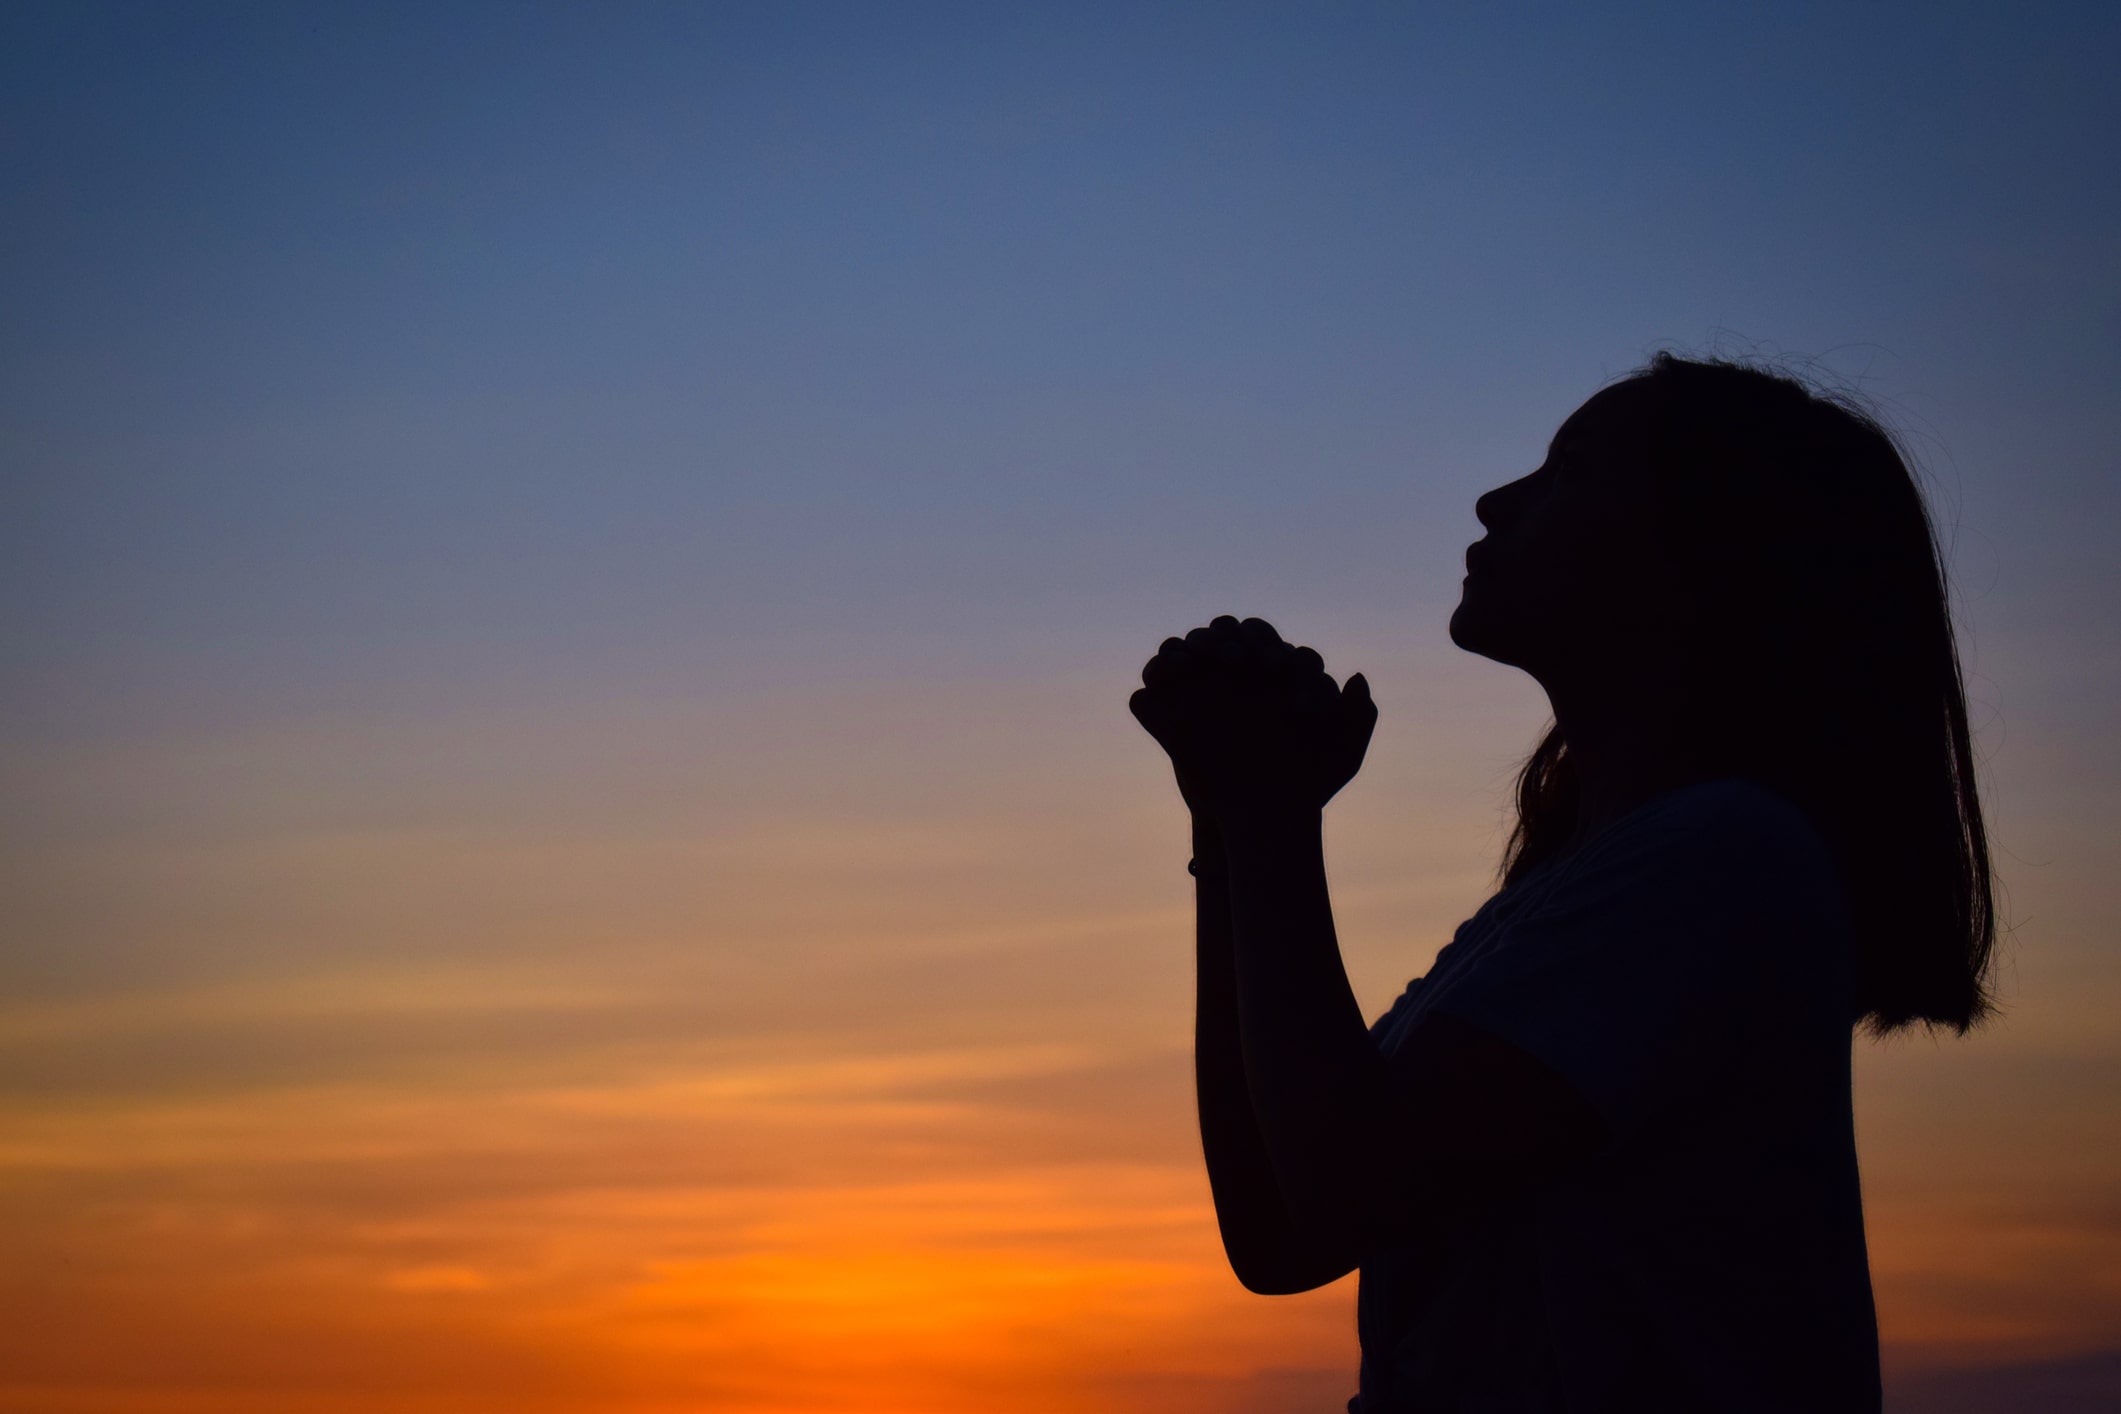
(1765, 547)
(1569, 580)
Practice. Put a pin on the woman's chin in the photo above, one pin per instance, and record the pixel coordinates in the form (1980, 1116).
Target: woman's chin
(1466, 627)
(1475, 632)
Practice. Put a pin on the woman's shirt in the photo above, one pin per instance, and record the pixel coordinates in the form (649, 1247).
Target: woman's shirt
(1690, 971)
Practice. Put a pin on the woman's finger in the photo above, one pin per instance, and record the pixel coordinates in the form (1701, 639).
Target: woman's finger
(1357, 694)
(1170, 663)
(1151, 712)
(1360, 712)
(1318, 692)
(1265, 643)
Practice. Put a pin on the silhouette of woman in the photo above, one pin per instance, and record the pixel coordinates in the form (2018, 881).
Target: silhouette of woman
(1602, 1156)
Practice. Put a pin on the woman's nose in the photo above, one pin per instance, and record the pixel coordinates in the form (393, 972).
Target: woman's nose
(1489, 509)
(1492, 509)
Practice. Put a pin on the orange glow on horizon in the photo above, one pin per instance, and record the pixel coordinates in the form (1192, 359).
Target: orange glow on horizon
(852, 1117)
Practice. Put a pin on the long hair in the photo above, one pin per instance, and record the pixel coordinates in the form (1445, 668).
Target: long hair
(1830, 673)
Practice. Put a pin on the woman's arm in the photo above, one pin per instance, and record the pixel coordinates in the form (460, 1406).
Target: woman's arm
(1368, 1151)
(1360, 1150)
(1258, 1237)
(1316, 1081)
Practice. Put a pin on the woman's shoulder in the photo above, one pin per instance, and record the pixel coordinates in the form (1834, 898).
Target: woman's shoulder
(1731, 827)
(1731, 808)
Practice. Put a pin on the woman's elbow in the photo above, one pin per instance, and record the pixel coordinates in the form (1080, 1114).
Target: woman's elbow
(1285, 1276)
(1280, 1284)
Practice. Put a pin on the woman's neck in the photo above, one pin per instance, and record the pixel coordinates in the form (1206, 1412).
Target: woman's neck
(1626, 749)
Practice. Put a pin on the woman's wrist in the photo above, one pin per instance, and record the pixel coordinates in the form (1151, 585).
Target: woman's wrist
(1209, 856)
(1267, 830)
(1264, 833)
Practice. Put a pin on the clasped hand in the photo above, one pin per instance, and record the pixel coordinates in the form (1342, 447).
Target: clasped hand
(1252, 723)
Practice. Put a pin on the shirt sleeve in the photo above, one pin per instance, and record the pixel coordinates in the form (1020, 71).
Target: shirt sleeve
(1382, 1027)
(1665, 950)
(1410, 998)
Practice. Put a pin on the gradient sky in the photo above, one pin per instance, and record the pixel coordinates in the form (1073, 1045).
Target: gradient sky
(569, 575)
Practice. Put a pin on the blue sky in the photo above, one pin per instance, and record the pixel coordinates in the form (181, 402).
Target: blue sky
(392, 344)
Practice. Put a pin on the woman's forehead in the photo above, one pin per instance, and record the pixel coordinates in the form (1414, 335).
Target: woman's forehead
(1610, 412)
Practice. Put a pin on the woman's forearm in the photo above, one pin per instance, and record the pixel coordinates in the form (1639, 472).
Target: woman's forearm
(1258, 1235)
(1316, 1081)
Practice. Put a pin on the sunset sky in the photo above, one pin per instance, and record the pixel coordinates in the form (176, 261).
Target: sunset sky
(570, 839)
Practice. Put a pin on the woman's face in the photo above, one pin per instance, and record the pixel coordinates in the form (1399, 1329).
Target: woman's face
(1569, 573)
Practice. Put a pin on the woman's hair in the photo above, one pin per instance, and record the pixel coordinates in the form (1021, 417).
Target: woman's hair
(1826, 667)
